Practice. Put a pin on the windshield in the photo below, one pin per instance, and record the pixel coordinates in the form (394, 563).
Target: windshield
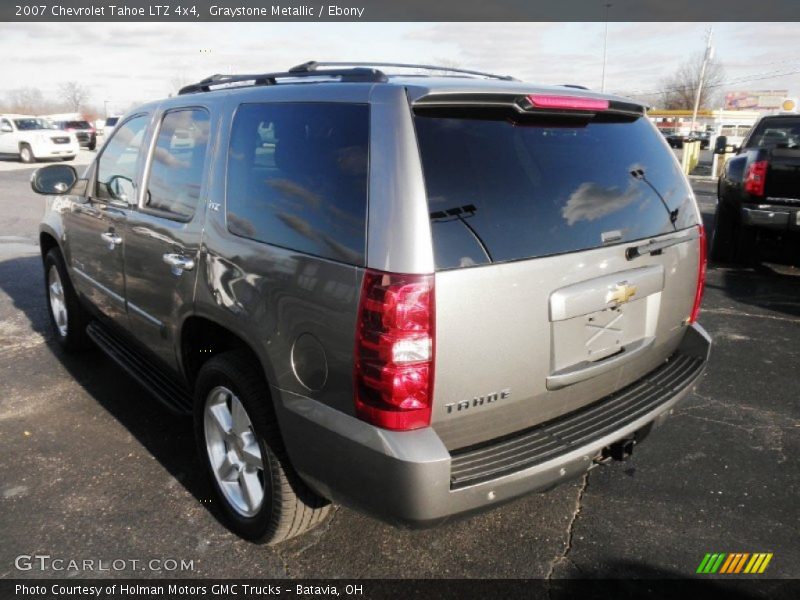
(776, 133)
(500, 191)
(31, 124)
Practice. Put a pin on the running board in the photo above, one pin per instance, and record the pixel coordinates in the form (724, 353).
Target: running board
(152, 377)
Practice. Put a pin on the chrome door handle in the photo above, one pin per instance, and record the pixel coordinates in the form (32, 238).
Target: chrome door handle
(179, 263)
(111, 238)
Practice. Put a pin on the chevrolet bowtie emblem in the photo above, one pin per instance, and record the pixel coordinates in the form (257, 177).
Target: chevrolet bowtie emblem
(621, 293)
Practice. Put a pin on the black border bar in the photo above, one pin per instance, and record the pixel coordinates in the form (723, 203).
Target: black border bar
(398, 10)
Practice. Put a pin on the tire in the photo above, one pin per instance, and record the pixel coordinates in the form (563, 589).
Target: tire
(68, 318)
(723, 242)
(26, 154)
(746, 249)
(287, 507)
(92, 146)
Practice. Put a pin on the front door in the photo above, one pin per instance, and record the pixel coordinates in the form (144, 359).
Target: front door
(97, 223)
(164, 234)
(8, 141)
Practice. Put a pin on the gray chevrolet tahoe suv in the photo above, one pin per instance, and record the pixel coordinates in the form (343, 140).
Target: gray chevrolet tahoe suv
(416, 296)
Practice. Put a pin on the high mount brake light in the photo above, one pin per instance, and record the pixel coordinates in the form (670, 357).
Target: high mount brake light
(701, 276)
(567, 102)
(393, 372)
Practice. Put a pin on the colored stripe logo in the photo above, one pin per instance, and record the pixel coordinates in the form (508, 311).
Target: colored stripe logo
(734, 563)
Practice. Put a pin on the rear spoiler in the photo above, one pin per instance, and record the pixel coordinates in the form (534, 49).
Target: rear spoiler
(532, 104)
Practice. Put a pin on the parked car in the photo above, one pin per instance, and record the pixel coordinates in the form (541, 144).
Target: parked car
(759, 189)
(675, 140)
(83, 130)
(111, 123)
(704, 137)
(31, 139)
(350, 317)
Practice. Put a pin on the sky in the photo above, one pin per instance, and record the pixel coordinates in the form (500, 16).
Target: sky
(124, 63)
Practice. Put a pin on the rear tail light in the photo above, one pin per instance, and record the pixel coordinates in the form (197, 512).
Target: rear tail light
(755, 177)
(701, 277)
(567, 102)
(394, 350)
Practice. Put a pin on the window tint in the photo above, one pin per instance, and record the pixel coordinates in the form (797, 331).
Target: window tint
(116, 168)
(297, 177)
(776, 133)
(500, 191)
(176, 170)
(31, 124)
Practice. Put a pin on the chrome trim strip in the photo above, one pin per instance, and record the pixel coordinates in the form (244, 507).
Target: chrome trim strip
(100, 286)
(147, 316)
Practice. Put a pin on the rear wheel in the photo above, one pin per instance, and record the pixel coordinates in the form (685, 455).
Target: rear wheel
(68, 317)
(746, 249)
(261, 496)
(723, 242)
(26, 154)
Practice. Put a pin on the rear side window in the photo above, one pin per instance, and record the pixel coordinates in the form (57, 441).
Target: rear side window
(176, 172)
(501, 191)
(297, 177)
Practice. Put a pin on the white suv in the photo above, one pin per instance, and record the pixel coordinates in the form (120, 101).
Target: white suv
(32, 139)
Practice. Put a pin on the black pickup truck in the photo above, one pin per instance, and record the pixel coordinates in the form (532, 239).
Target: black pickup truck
(759, 189)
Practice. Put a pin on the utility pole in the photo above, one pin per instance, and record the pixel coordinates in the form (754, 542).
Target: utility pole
(708, 56)
(605, 47)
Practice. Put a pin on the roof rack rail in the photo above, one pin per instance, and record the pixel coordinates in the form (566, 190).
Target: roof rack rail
(353, 75)
(575, 86)
(312, 66)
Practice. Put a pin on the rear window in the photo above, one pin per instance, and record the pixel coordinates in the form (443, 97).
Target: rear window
(111, 121)
(501, 190)
(776, 133)
(297, 177)
(78, 125)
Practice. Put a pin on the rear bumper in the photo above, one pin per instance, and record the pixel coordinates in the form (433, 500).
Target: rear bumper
(777, 217)
(410, 477)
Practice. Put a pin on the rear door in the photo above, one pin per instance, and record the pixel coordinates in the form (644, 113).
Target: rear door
(164, 234)
(548, 296)
(95, 225)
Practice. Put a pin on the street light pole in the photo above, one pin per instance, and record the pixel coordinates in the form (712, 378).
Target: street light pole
(605, 47)
(709, 53)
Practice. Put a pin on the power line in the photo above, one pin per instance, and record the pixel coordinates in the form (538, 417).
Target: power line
(745, 79)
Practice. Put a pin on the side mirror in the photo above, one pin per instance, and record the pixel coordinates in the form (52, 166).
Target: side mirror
(53, 179)
(6, 128)
(720, 144)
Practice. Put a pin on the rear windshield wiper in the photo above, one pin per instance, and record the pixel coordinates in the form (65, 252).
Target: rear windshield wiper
(673, 214)
(656, 246)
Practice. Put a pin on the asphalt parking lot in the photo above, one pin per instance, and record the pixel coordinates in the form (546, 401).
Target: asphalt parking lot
(93, 468)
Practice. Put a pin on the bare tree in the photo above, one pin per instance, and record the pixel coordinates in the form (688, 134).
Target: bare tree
(25, 100)
(176, 82)
(679, 89)
(73, 95)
